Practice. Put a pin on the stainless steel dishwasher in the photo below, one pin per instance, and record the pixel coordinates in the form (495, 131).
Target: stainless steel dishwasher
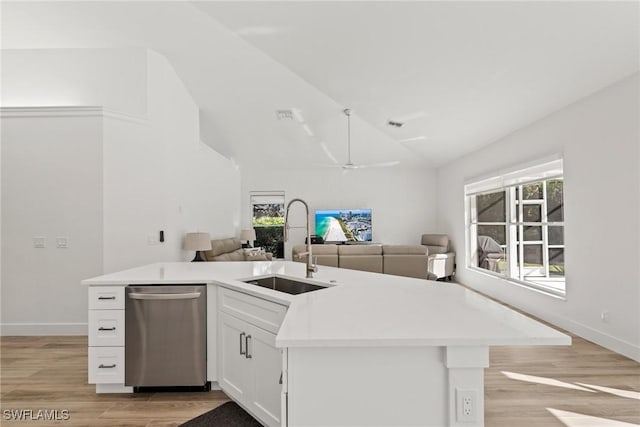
(166, 336)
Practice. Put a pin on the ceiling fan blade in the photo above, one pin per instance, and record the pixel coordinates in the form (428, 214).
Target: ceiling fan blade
(378, 165)
(328, 153)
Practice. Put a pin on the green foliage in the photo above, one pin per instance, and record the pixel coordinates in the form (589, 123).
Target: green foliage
(271, 239)
(268, 221)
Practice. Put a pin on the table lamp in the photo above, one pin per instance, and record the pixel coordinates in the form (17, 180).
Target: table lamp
(197, 242)
(248, 235)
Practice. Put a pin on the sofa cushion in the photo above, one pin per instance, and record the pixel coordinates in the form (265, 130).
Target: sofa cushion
(404, 250)
(323, 254)
(436, 243)
(222, 247)
(360, 250)
(223, 257)
(237, 255)
(361, 262)
(360, 257)
(322, 249)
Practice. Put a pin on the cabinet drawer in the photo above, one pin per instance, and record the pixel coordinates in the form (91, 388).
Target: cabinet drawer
(106, 365)
(257, 311)
(106, 328)
(106, 298)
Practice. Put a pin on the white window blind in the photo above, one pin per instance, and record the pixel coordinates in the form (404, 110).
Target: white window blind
(259, 198)
(516, 176)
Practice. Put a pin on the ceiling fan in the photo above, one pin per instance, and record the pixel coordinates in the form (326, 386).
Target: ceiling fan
(350, 165)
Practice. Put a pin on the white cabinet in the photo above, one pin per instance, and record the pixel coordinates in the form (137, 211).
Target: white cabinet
(106, 335)
(250, 365)
(233, 362)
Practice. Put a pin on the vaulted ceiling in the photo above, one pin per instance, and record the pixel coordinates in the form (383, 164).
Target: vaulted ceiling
(456, 75)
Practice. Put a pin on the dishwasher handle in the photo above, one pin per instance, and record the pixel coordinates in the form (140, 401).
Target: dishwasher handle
(186, 295)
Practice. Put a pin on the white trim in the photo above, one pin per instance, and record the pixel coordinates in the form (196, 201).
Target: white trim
(541, 169)
(126, 117)
(37, 329)
(68, 111)
(266, 197)
(54, 111)
(610, 342)
(113, 388)
(526, 284)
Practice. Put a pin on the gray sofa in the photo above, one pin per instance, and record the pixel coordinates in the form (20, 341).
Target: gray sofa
(401, 260)
(231, 250)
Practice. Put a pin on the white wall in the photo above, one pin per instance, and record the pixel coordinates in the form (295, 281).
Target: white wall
(112, 78)
(51, 187)
(599, 139)
(402, 199)
(108, 184)
(159, 176)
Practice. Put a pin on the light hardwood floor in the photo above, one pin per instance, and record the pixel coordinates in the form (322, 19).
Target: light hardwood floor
(583, 385)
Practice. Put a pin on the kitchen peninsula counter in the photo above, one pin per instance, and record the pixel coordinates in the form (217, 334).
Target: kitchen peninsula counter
(426, 341)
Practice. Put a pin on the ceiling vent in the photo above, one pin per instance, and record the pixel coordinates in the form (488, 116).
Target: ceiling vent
(284, 114)
(290, 114)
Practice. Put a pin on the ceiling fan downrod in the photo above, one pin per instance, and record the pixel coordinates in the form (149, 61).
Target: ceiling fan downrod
(347, 112)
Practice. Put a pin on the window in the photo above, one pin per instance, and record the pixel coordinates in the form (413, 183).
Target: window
(267, 218)
(515, 226)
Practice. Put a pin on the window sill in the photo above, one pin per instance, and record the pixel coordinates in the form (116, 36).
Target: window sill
(532, 286)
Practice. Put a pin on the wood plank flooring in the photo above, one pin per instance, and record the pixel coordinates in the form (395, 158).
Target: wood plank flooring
(583, 385)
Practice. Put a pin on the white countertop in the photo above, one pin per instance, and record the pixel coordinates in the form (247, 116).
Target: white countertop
(360, 308)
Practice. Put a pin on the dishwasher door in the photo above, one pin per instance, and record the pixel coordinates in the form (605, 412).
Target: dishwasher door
(165, 335)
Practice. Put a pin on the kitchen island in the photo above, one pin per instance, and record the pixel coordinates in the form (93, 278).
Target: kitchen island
(370, 349)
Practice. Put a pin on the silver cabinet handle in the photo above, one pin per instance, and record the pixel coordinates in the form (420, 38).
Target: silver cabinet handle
(101, 328)
(246, 345)
(280, 382)
(187, 295)
(107, 366)
(104, 298)
(241, 336)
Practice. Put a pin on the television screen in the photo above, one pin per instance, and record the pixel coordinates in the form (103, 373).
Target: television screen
(344, 225)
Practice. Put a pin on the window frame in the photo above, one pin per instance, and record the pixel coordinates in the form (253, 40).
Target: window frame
(511, 182)
(262, 198)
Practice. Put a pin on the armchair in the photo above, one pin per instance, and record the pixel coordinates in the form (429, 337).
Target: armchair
(440, 260)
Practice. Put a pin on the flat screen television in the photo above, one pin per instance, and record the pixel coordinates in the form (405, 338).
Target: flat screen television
(344, 225)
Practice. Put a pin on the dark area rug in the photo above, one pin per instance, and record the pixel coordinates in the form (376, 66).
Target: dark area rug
(228, 415)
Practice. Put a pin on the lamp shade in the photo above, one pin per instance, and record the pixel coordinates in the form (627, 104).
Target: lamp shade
(197, 242)
(249, 235)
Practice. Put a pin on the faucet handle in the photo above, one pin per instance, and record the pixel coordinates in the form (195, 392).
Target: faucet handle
(314, 262)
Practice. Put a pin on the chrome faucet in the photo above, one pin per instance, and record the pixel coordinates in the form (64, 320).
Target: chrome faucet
(311, 268)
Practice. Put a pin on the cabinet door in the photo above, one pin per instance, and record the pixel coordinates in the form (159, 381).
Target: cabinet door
(234, 372)
(266, 361)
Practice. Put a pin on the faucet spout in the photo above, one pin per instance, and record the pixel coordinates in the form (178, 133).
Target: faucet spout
(311, 268)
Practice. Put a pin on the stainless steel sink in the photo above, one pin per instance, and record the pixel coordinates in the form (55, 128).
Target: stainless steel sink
(283, 284)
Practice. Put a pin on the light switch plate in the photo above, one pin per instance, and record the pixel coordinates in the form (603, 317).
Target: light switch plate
(39, 242)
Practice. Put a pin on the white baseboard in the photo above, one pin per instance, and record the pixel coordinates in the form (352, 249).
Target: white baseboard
(609, 342)
(113, 388)
(36, 329)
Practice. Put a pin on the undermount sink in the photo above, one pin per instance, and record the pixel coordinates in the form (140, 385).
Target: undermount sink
(283, 284)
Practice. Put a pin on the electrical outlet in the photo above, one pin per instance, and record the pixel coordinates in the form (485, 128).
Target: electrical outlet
(62, 242)
(604, 316)
(466, 405)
